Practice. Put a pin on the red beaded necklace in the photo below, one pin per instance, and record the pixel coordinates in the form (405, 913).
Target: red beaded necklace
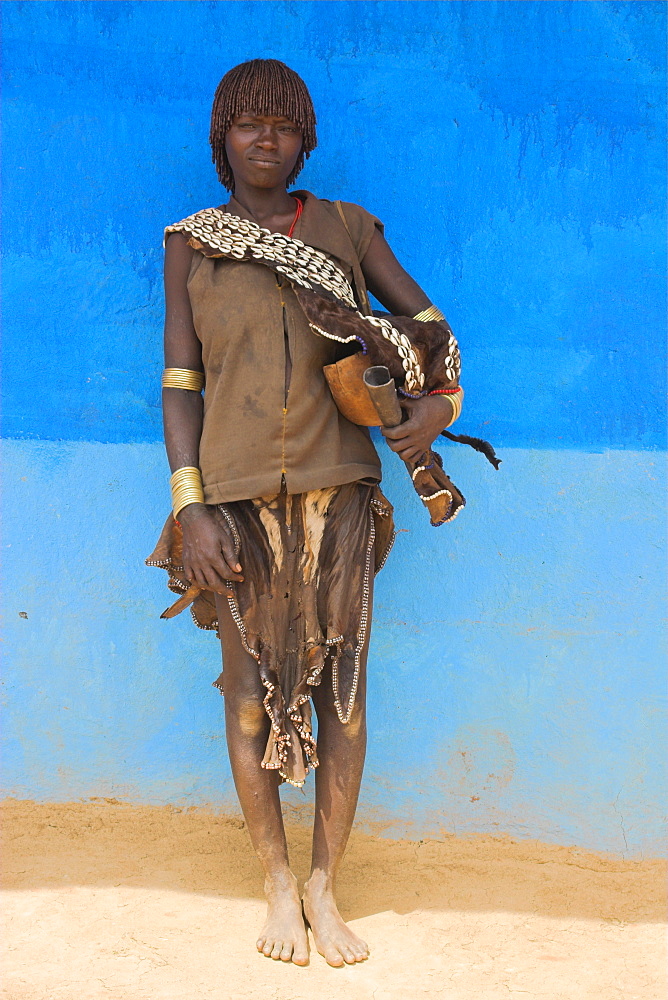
(300, 209)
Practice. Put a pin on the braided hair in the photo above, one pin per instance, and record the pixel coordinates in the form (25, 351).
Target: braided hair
(260, 87)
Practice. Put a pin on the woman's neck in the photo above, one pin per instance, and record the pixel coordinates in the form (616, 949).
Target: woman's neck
(265, 205)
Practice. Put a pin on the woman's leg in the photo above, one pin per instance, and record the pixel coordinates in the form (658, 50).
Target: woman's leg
(247, 727)
(341, 751)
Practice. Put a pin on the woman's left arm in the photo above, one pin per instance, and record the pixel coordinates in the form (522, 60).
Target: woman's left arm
(402, 296)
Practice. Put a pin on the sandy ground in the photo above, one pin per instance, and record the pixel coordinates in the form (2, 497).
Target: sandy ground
(103, 899)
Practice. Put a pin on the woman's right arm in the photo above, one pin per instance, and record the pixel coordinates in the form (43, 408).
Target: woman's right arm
(208, 550)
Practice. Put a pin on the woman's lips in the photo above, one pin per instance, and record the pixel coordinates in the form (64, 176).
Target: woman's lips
(264, 162)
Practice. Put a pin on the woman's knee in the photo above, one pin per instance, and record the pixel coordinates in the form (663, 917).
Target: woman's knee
(329, 716)
(246, 710)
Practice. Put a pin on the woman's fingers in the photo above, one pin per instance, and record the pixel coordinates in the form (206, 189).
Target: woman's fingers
(403, 447)
(396, 433)
(211, 577)
(209, 557)
(395, 441)
(219, 572)
(195, 575)
(404, 441)
(230, 555)
(212, 574)
(215, 581)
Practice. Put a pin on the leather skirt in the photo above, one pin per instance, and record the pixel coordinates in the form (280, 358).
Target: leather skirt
(308, 560)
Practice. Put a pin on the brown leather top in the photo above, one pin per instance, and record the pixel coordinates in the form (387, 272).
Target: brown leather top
(245, 315)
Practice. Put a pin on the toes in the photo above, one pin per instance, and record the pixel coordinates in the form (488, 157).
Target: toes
(300, 956)
(276, 951)
(268, 948)
(349, 956)
(361, 951)
(286, 953)
(333, 957)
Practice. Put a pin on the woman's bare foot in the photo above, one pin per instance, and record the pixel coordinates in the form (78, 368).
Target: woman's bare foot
(283, 935)
(334, 940)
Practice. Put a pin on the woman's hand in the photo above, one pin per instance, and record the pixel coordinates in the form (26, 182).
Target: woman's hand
(209, 558)
(427, 417)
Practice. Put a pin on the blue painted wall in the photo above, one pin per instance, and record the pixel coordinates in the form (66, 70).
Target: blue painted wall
(515, 153)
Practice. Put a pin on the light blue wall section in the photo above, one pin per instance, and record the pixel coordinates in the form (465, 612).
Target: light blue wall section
(516, 664)
(515, 152)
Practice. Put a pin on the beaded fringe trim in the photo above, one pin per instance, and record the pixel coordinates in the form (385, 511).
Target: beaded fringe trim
(344, 717)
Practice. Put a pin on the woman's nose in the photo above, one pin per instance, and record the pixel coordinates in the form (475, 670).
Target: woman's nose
(267, 138)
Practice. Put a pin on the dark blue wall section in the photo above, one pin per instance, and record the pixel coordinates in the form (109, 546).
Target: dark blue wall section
(514, 151)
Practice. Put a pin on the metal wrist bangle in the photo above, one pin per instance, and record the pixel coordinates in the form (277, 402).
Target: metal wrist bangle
(186, 484)
(430, 314)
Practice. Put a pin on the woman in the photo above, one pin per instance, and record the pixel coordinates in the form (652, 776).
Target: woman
(278, 519)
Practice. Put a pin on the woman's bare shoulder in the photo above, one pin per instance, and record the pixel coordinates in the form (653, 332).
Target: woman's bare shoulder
(178, 251)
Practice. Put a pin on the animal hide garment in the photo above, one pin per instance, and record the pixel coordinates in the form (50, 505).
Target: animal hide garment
(308, 563)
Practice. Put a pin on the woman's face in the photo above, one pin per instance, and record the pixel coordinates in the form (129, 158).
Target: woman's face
(262, 149)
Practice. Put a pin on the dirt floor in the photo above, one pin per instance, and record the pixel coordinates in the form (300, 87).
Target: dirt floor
(103, 899)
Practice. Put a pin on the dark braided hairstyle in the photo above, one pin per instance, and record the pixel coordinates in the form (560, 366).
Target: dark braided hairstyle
(260, 87)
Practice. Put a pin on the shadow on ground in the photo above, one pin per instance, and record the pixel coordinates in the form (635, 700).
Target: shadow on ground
(105, 842)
